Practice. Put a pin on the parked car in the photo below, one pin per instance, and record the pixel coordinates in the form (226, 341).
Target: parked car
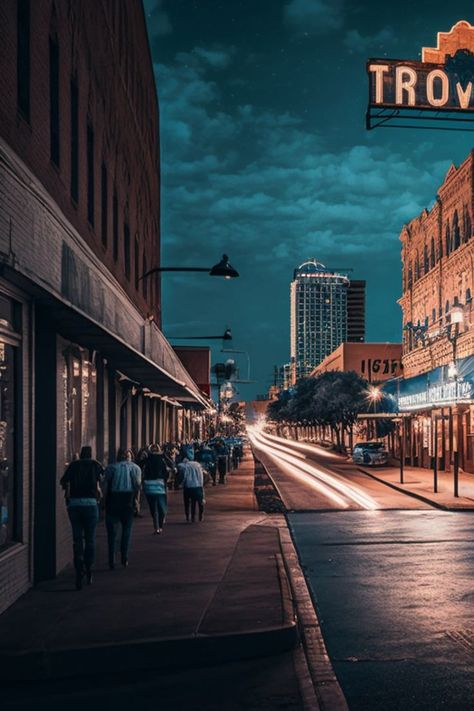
(370, 453)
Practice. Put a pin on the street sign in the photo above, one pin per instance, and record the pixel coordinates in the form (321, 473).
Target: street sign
(440, 88)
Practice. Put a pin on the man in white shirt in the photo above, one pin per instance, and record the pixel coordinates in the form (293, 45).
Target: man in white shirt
(121, 483)
(192, 479)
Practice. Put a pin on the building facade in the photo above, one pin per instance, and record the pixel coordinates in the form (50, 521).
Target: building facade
(438, 331)
(356, 311)
(375, 362)
(83, 360)
(318, 315)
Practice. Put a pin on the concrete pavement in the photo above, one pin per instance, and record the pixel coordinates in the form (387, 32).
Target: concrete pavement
(198, 594)
(418, 482)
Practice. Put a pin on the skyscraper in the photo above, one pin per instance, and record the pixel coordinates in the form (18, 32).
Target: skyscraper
(356, 311)
(318, 311)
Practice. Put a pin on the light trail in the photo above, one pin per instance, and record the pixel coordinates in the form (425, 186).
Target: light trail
(301, 445)
(304, 477)
(324, 479)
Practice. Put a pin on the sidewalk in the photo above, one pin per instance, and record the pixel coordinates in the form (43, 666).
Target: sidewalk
(199, 593)
(418, 482)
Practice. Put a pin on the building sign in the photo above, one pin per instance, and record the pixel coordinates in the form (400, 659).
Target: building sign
(446, 394)
(437, 388)
(377, 367)
(442, 82)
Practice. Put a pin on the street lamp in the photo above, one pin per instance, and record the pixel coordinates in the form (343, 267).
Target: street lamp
(231, 350)
(222, 269)
(456, 322)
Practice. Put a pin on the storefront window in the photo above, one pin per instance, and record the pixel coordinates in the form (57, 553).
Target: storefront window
(79, 402)
(8, 354)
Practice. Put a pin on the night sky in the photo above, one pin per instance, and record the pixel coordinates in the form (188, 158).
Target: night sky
(265, 156)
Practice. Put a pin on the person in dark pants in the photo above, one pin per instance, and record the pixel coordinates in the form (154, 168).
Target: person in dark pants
(222, 453)
(81, 484)
(121, 482)
(155, 478)
(206, 457)
(192, 479)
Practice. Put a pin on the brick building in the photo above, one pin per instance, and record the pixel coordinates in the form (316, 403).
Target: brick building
(438, 333)
(82, 358)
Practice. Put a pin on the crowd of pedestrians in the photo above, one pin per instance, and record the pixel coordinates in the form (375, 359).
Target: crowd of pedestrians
(119, 488)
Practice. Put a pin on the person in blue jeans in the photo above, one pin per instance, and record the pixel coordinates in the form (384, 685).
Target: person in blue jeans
(122, 482)
(155, 478)
(82, 492)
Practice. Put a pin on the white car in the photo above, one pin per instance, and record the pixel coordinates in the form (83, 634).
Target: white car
(369, 453)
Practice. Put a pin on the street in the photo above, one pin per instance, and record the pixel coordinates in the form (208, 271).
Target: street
(394, 594)
(391, 579)
(310, 478)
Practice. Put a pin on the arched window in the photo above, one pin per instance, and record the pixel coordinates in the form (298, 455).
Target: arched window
(446, 307)
(467, 225)
(410, 276)
(417, 268)
(433, 254)
(440, 247)
(468, 296)
(456, 231)
(426, 261)
(448, 240)
(433, 316)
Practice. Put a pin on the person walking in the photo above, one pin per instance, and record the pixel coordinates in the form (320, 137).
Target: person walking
(140, 460)
(155, 473)
(121, 482)
(81, 483)
(192, 480)
(222, 454)
(206, 457)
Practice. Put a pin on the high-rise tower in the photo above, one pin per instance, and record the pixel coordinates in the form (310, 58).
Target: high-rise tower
(356, 311)
(318, 315)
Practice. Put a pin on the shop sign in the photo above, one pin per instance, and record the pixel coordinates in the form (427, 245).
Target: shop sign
(442, 82)
(443, 394)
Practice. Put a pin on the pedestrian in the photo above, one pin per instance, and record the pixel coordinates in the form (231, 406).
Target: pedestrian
(140, 460)
(207, 458)
(192, 480)
(222, 453)
(155, 480)
(121, 482)
(81, 483)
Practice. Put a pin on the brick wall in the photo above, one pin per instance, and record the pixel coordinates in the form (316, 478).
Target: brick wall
(104, 46)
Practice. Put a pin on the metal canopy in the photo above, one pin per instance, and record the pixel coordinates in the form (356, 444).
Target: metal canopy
(388, 117)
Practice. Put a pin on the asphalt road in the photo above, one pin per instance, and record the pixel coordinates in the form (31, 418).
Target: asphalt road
(392, 580)
(394, 591)
(310, 478)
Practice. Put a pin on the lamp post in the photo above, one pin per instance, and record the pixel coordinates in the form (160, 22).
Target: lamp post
(222, 269)
(374, 396)
(456, 321)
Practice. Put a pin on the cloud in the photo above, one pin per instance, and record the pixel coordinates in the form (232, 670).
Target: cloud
(158, 21)
(360, 44)
(216, 58)
(264, 187)
(314, 16)
(261, 181)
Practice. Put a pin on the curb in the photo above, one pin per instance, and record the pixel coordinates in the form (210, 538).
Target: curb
(160, 654)
(328, 693)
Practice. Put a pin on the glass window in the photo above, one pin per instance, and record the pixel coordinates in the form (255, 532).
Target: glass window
(8, 521)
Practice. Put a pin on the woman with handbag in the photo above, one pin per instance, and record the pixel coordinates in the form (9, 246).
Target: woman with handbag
(82, 492)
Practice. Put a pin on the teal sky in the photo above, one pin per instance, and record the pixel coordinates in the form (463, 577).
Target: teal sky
(265, 156)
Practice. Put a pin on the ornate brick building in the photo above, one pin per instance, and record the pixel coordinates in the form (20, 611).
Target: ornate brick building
(438, 331)
(82, 358)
